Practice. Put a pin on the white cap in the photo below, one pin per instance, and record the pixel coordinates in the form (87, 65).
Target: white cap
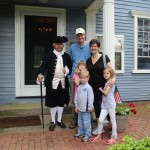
(80, 30)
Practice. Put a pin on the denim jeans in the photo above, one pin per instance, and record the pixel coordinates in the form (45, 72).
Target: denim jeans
(84, 123)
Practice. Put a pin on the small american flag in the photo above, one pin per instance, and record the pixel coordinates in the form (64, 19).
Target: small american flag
(117, 95)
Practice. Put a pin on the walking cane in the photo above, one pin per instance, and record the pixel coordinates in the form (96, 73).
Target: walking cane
(42, 105)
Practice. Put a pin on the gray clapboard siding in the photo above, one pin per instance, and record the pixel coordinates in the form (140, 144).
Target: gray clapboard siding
(74, 21)
(7, 55)
(7, 49)
(132, 86)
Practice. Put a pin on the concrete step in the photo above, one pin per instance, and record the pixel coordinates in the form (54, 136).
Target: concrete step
(26, 109)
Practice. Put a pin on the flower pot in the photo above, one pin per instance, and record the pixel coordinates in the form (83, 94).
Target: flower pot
(121, 122)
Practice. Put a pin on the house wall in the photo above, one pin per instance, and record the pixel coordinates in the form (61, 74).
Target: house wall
(132, 86)
(7, 52)
(7, 49)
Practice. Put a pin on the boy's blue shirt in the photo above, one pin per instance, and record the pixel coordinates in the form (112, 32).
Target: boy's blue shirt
(84, 93)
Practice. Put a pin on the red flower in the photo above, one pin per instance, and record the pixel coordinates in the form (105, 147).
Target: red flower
(134, 111)
(132, 105)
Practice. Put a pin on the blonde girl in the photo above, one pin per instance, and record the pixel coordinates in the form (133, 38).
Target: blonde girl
(108, 107)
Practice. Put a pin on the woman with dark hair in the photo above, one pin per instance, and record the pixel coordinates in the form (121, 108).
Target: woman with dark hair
(95, 66)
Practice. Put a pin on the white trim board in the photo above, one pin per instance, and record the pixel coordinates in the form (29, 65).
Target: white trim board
(23, 90)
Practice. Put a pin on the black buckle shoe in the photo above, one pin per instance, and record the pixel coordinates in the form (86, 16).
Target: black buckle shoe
(52, 126)
(61, 124)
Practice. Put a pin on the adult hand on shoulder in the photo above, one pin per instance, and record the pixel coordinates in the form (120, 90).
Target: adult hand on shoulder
(111, 82)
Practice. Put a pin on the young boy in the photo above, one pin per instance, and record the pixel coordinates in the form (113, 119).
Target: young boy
(83, 106)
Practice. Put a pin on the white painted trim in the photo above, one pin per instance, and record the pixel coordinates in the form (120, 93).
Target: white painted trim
(90, 25)
(20, 12)
(137, 14)
(122, 53)
(108, 29)
(141, 71)
(95, 6)
(91, 12)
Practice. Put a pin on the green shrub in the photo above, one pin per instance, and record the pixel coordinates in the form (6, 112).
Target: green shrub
(132, 144)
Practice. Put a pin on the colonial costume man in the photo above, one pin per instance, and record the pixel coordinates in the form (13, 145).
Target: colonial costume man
(57, 66)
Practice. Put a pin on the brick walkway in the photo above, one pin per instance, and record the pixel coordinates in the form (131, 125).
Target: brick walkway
(138, 127)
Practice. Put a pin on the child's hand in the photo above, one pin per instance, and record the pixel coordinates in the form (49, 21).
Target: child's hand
(76, 109)
(90, 110)
(77, 81)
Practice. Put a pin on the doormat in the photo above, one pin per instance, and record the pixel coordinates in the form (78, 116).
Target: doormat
(9, 122)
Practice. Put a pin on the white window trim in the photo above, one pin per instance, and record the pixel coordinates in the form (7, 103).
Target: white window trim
(122, 53)
(137, 14)
(23, 90)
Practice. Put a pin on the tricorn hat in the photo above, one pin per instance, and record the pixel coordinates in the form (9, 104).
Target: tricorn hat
(60, 39)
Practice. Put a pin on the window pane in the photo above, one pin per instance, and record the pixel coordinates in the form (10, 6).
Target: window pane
(118, 61)
(143, 63)
(143, 50)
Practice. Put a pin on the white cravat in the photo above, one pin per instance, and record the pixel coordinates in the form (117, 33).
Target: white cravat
(58, 75)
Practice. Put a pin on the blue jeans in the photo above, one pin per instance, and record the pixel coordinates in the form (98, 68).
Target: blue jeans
(84, 123)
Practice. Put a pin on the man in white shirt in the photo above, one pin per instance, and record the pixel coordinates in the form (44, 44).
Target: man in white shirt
(57, 66)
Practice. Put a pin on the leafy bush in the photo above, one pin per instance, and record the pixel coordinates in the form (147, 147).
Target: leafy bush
(132, 144)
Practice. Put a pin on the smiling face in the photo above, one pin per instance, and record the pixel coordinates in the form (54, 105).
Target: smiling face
(94, 48)
(58, 46)
(81, 67)
(106, 74)
(84, 79)
(80, 38)
(84, 76)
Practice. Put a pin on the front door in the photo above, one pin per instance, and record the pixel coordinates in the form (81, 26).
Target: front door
(35, 27)
(39, 31)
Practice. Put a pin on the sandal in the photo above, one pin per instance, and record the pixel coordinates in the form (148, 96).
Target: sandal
(93, 140)
(110, 142)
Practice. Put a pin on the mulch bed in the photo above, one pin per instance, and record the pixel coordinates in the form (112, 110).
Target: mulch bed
(9, 122)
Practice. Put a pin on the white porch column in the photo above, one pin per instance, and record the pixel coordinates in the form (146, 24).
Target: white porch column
(108, 29)
(90, 24)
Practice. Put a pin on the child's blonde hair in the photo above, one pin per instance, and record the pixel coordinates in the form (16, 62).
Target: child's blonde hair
(81, 62)
(84, 73)
(111, 71)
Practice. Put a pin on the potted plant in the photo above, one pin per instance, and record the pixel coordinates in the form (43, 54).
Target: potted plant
(122, 112)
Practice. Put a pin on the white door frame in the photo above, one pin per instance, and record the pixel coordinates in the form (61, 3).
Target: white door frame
(23, 90)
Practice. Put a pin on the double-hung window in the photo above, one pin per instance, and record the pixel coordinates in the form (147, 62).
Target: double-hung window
(141, 41)
(119, 51)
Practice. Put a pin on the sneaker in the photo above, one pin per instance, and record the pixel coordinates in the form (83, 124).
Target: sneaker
(61, 124)
(79, 135)
(95, 132)
(85, 139)
(52, 126)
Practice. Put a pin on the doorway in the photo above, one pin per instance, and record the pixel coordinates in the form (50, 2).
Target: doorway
(39, 32)
(34, 29)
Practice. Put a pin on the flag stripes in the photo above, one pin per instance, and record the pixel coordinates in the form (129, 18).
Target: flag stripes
(117, 95)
